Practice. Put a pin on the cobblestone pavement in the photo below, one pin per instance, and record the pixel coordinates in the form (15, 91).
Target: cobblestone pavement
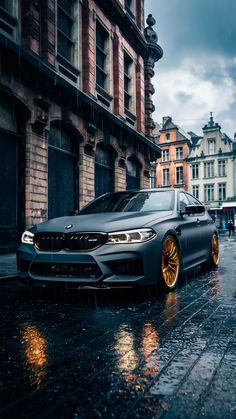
(122, 355)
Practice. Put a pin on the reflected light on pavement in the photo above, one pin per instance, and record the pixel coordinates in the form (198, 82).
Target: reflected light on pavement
(35, 350)
(171, 308)
(131, 351)
(127, 357)
(149, 345)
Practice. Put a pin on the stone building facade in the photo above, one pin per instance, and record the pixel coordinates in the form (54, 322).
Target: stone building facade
(75, 86)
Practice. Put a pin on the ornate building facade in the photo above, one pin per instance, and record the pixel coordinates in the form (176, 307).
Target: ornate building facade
(172, 168)
(75, 86)
(212, 164)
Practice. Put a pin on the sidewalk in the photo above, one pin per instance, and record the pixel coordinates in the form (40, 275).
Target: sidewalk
(8, 269)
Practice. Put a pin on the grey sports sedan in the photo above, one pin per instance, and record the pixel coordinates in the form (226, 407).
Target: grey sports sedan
(122, 239)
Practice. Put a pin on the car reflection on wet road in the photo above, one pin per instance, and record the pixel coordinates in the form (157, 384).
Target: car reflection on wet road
(122, 354)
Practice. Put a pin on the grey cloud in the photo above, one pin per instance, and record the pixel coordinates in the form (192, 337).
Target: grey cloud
(194, 26)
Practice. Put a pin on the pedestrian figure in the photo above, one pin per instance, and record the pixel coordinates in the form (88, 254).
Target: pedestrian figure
(230, 228)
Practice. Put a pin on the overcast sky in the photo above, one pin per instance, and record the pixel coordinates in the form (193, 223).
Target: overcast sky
(197, 73)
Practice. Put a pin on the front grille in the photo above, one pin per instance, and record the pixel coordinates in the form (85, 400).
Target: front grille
(131, 267)
(69, 241)
(66, 270)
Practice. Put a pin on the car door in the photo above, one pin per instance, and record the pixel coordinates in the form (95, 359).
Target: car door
(203, 238)
(189, 230)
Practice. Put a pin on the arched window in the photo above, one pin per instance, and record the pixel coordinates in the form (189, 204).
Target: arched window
(133, 168)
(62, 172)
(104, 169)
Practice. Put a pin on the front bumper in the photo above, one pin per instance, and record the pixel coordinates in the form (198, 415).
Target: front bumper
(108, 266)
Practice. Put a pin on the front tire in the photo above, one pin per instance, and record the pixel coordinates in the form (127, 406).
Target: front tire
(170, 263)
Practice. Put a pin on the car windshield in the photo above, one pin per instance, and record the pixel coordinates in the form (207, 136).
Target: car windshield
(128, 201)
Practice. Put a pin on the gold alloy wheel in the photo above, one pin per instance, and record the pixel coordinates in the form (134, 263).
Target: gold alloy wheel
(215, 249)
(170, 262)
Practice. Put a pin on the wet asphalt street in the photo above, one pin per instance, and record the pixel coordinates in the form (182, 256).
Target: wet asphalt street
(122, 354)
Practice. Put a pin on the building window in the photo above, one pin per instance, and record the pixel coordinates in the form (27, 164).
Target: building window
(195, 171)
(62, 172)
(65, 21)
(7, 5)
(102, 42)
(104, 169)
(196, 191)
(8, 15)
(128, 64)
(152, 175)
(211, 146)
(179, 175)
(129, 7)
(133, 170)
(208, 193)
(222, 191)
(167, 137)
(179, 153)
(165, 155)
(209, 169)
(166, 177)
(221, 168)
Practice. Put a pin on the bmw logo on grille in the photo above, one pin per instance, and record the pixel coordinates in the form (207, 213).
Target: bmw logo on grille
(69, 226)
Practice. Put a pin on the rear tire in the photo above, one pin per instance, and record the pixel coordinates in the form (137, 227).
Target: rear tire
(214, 253)
(213, 259)
(170, 263)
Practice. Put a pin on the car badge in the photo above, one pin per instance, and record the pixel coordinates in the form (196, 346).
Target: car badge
(69, 226)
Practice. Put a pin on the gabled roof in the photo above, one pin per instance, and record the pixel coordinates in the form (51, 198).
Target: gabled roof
(168, 124)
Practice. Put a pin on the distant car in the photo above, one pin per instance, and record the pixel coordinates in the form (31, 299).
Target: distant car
(122, 239)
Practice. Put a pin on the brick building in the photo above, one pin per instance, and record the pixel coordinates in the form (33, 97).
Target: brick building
(75, 105)
(172, 169)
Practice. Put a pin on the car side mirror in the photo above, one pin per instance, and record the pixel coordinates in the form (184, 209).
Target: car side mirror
(193, 209)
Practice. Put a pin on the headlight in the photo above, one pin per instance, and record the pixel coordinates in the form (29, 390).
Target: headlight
(27, 237)
(130, 236)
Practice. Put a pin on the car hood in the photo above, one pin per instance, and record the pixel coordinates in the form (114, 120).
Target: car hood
(104, 222)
